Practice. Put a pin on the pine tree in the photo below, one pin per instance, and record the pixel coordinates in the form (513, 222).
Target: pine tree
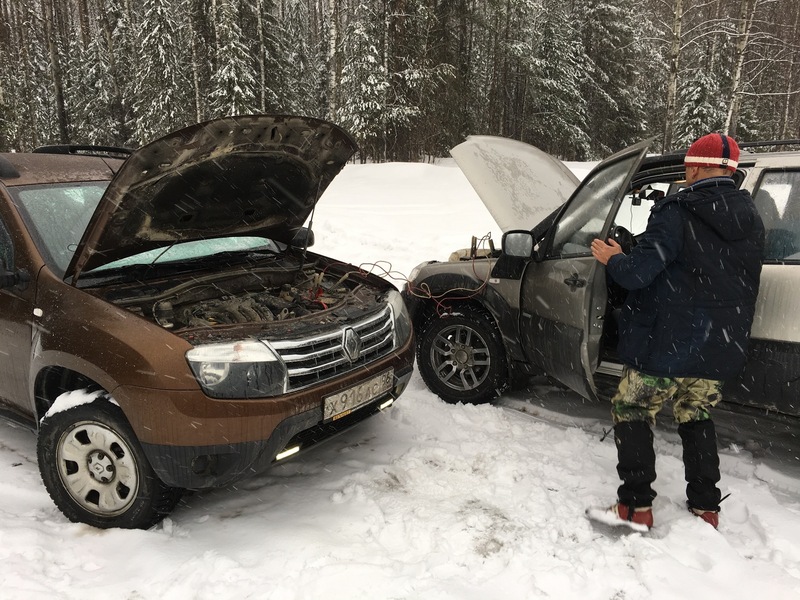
(94, 120)
(102, 79)
(201, 47)
(161, 99)
(617, 98)
(363, 84)
(232, 82)
(701, 107)
(559, 122)
(271, 63)
(415, 76)
(304, 69)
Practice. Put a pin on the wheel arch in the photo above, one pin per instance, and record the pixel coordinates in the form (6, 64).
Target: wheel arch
(446, 290)
(53, 381)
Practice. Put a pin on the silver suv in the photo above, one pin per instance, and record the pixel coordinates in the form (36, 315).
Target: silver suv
(542, 305)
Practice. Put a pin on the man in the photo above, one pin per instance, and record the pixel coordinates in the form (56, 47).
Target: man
(692, 280)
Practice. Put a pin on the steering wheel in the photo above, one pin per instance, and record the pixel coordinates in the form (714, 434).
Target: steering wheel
(623, 237)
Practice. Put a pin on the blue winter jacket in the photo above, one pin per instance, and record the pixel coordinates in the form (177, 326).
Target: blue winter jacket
(693, 281)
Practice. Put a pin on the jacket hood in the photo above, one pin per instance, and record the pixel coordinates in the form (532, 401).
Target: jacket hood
(253, 175)
(727, 210)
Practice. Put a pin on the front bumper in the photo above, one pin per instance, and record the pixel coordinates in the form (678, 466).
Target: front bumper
(198, 467)
(193, 441)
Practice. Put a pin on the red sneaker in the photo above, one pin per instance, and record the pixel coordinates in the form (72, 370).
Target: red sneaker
(709, 516)
(638, 519)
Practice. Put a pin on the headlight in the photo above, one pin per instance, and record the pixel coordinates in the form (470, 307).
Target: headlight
(244, 369)
(418, 269)
(402, 322)
(414, 272)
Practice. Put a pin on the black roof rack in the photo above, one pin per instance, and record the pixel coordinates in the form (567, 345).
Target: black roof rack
(756, 144)
(85, 150)
(768, 143)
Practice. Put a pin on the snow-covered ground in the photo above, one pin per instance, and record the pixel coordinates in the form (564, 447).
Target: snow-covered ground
(425, 501)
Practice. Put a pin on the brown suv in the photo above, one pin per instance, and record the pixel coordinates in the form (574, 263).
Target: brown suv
(163, 325)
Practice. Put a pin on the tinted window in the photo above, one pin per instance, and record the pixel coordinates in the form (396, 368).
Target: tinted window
(778, 202)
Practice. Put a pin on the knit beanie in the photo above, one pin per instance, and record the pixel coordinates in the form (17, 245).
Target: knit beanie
(713, 150)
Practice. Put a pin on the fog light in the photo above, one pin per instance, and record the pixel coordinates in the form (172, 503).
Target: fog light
(288, 452)
(201, 465)
(386, 404)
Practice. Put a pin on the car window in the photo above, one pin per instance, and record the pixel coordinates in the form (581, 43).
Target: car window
(57, 215)
(778, 203)
(635, 209)
(6, 249)
(584, 217)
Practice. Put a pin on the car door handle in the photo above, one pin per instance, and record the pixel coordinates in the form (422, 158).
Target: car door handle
(575, 282)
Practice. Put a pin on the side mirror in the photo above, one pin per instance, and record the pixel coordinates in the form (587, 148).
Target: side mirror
(518, 243)
(517, 251)
(304, 238)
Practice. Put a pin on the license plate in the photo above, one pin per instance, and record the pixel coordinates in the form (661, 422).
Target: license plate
(342, 403)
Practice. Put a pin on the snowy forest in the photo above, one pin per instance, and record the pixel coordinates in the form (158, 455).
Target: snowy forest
(408, 79)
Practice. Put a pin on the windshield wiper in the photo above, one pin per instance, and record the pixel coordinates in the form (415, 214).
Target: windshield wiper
(140, 271)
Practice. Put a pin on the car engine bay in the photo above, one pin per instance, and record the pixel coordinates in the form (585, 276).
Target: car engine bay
(250, 296)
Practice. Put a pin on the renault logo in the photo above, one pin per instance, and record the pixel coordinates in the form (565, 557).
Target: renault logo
(351, 342)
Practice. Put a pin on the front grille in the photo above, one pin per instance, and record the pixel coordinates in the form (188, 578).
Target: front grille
(315, 359)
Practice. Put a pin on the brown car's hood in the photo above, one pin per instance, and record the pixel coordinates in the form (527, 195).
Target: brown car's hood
(257, 175)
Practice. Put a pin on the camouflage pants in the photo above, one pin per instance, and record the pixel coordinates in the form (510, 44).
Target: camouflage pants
(640, 397)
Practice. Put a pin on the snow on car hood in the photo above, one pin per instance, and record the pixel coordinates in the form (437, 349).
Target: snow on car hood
(255, 175)
(519, 184)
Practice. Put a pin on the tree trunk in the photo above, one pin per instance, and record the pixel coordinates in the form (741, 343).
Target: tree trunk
(118, 109)
(672, 80)
(790, 78)
(83, 18)
(198, 99)
(744, 28)
(262, 68)
(48, 17)
(333, 74)
(26, 66)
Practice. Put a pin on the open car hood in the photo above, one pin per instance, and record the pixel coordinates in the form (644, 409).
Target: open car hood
(255, 175)
(519, 184)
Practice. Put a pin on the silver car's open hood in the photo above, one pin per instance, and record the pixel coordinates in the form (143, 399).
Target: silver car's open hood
(255, 175)
(519, 184)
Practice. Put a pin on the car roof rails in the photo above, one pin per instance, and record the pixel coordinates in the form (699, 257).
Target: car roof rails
(769, 143)
(85, 150)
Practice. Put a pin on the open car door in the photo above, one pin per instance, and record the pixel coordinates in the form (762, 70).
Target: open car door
(564, 292)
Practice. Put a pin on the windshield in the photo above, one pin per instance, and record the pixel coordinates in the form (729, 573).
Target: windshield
(57, 215)
(188, 251)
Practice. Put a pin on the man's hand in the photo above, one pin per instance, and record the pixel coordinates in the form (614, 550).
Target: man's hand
(602, 251)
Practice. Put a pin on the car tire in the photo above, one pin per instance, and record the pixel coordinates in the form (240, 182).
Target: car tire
(95, 469)
(461, 357)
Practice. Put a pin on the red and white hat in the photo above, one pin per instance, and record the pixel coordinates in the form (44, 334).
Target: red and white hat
(713, 150)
